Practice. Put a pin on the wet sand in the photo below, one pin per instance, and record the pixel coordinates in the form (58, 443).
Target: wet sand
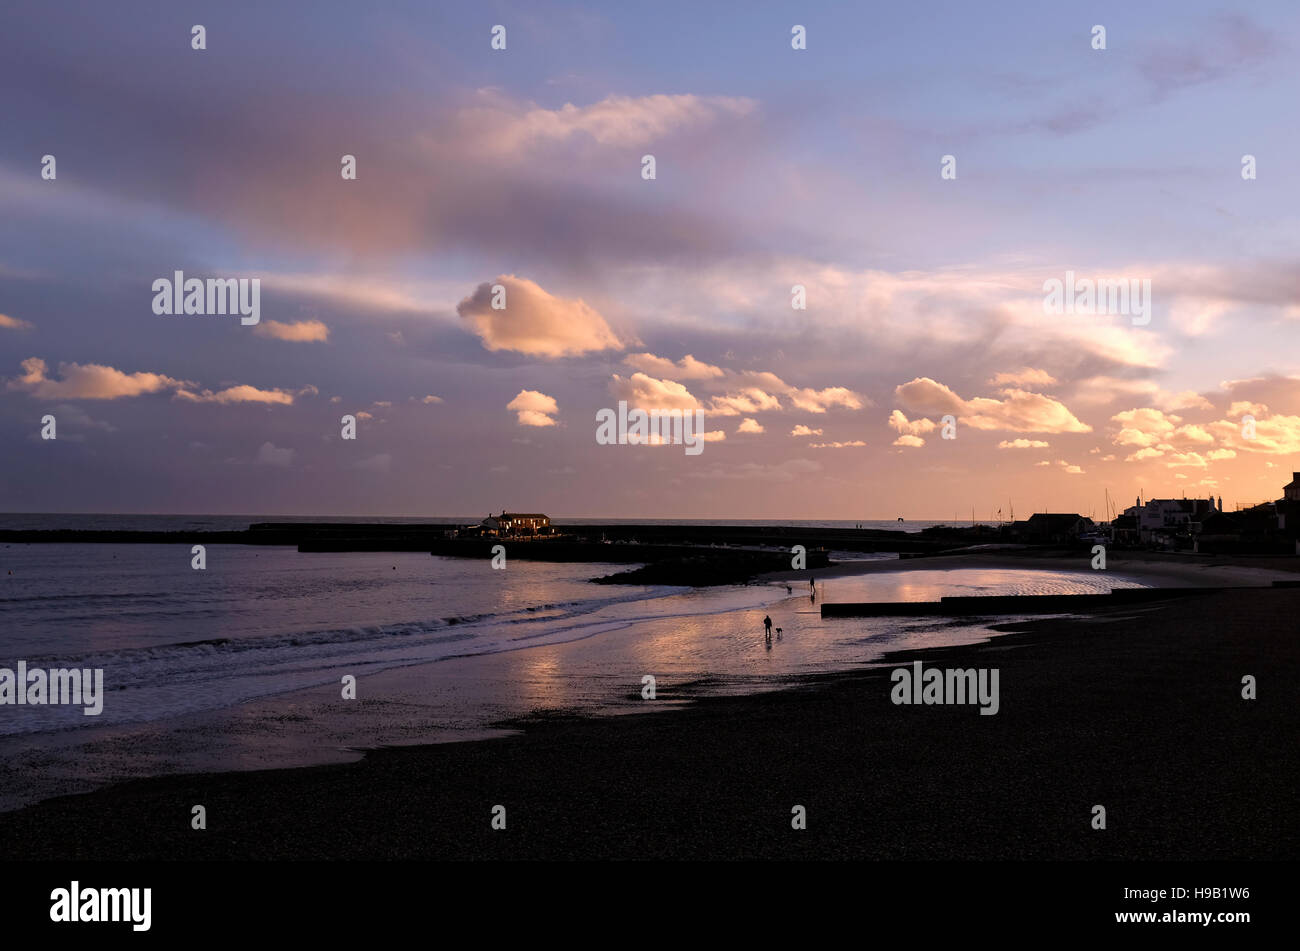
(1139, 711)
(1155, 568)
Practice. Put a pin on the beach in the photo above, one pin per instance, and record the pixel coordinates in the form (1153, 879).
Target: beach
(241, 666)
(1137, 710)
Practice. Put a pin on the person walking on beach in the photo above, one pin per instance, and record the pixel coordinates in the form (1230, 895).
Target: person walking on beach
(767, 630)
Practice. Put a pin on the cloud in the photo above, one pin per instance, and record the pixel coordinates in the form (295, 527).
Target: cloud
(751, 392)
(89, 381)
(1144, 427)
(534, 408)
(95, 382)
(802, 430)
(13, 323)
(1024, 444)
(818, 401)
(431, 399)
(687, 368)
(902, 424)
(1278, 435)
(1149, 427)
(271, 455)
(836, 445)
(1179, 459)
(748, 425)
(243, 393)
(751, 400)
(907, 439)
(504, 128)
(1023, 377)
(745, 393)
(535, 322)
(1247, 408)
(645, 392)
(302, 331)
(1021, 411)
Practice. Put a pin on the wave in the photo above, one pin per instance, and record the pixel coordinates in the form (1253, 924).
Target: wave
(365, 636)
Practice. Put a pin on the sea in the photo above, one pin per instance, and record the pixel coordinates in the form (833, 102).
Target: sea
(246, 664)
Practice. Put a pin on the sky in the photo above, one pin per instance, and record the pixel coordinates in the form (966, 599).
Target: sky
(922, 171)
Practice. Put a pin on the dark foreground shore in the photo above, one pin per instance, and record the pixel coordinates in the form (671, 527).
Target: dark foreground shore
(1139, 711)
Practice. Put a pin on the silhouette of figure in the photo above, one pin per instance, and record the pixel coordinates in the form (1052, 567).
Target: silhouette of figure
(789, 590)
(767, 631)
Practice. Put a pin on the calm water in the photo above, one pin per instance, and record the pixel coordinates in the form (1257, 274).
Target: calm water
(239, 666)
(236, 523)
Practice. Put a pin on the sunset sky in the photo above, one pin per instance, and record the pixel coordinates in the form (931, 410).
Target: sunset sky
(522, 167)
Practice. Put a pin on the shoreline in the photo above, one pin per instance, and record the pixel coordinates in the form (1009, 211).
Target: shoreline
(1184, 570)
(1139, 710)
(447, 699)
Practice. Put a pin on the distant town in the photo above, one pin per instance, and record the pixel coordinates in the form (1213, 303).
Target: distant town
(1183, 524)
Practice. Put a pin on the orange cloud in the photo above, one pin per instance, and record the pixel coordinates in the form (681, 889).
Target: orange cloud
(645, 392)
(1021, 411)
(1023, 377)
(242, 393)
(902, 424)
(533, 408)
(90, 381)
(302, 331)
(1024, 444)
(687, 368)
(535, 322)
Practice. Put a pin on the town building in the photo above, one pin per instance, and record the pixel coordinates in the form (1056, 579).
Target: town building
(1050, 527)
(516, 524)
(1163, 522)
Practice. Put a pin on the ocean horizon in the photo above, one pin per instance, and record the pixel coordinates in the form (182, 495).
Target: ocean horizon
(155, 522)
